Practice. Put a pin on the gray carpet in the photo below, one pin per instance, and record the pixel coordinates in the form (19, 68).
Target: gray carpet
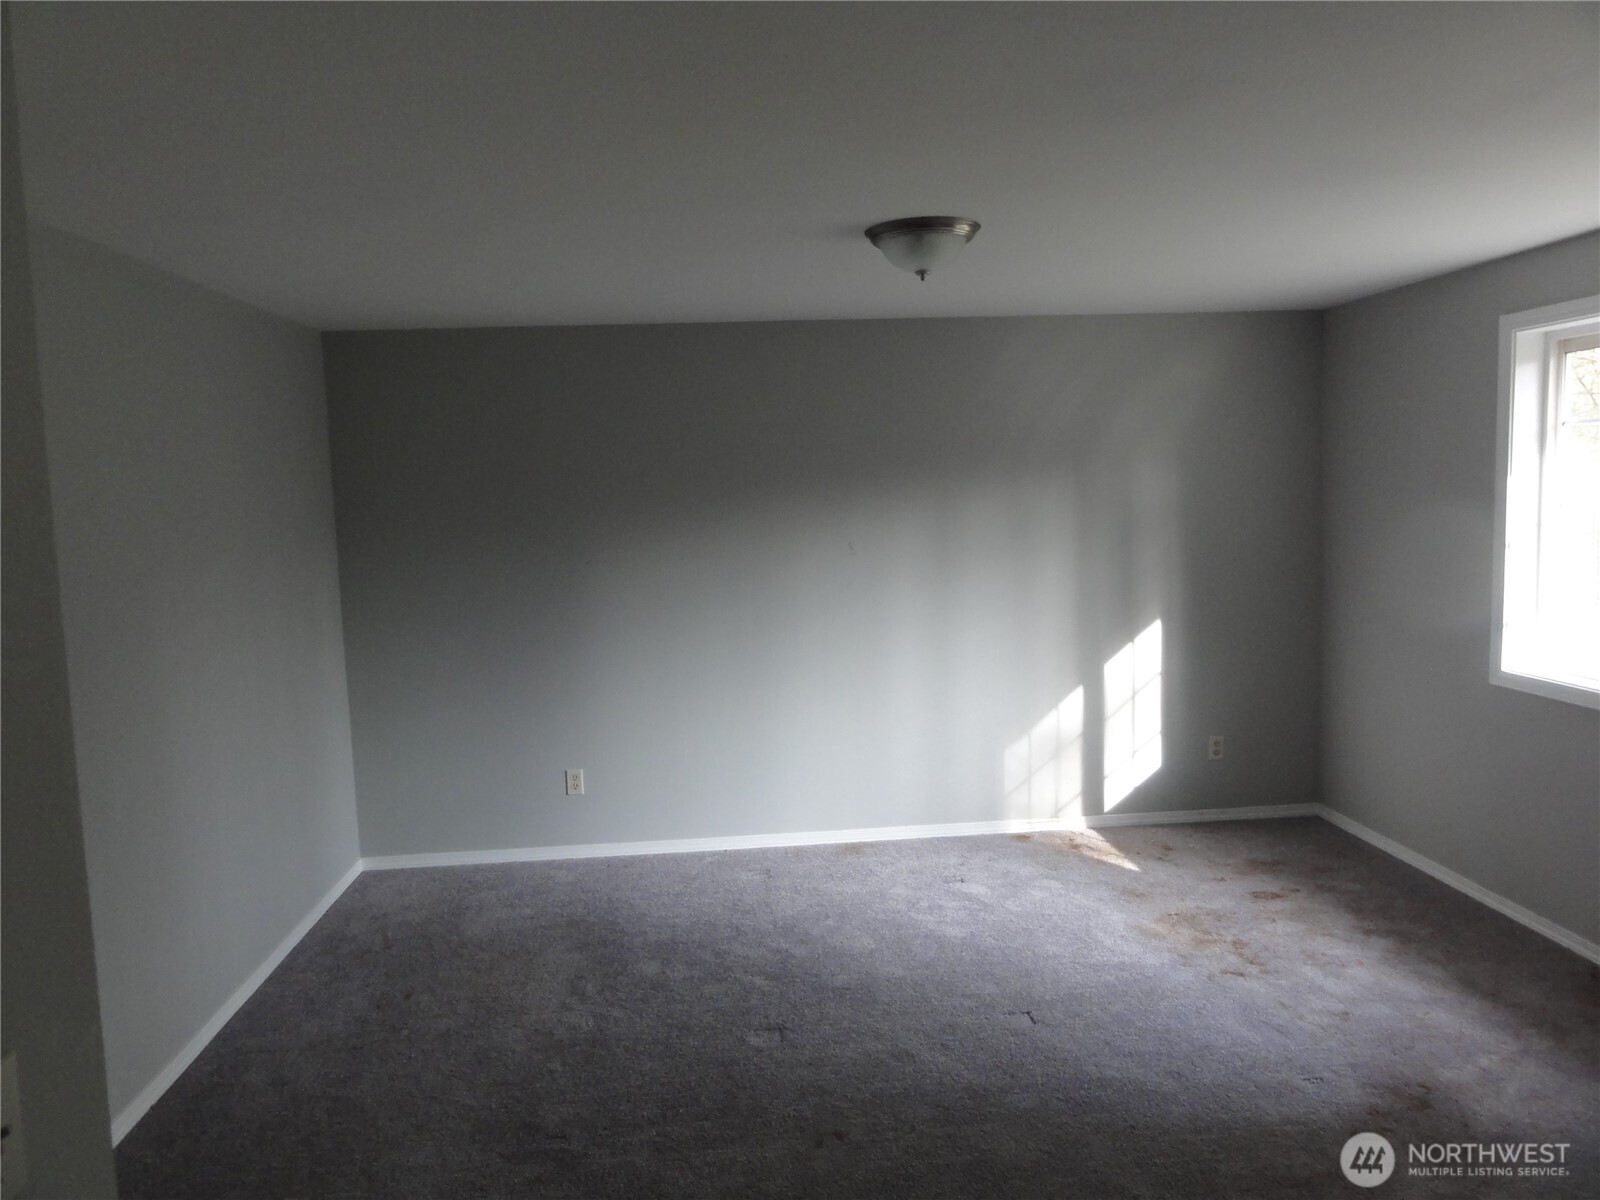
(1201, 1010)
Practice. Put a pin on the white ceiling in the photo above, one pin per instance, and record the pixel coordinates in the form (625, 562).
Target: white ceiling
(378, 165)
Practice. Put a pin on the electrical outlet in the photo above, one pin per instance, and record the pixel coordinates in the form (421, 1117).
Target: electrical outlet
(1214, 747)
(575, 782)
(13, 1151)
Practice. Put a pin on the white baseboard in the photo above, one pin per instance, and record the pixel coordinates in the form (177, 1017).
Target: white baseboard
(140, 1104)
(752, 841)
(1262, 812)
(1556, 933)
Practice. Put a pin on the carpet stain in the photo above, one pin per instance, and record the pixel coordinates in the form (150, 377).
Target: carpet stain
(1203, 933)
(1267, 895)
(835, 1135)
(1393, 932)
(1243, 949)
(1191, 929)
(1414, 1098)
(1260, 866)
(1022, 837)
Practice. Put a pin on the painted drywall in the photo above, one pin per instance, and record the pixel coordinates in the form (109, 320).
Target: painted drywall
(770, 578)
(47, 986)
(1499, 785)
(188, 453)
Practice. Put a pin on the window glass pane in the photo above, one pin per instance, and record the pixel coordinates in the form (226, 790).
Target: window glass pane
(1580, 385)
(1569, 533)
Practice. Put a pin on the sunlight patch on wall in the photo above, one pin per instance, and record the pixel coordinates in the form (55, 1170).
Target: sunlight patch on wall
(1133, 715)
(1044, 769)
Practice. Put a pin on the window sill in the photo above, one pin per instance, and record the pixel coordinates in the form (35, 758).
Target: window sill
(1584, 695)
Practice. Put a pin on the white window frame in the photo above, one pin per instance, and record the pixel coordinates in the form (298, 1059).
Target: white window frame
(1528, 352)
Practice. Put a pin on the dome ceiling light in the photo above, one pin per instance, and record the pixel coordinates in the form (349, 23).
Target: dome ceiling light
(919, 244)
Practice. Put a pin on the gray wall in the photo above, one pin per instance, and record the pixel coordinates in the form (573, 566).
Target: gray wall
(52, 1014)
(784, 577)
(1499, 785)
(189, 465)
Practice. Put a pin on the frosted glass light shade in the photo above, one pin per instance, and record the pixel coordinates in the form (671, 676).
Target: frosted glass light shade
(920, 244)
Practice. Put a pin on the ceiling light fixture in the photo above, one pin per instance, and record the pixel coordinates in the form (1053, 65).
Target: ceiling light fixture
(919, 244)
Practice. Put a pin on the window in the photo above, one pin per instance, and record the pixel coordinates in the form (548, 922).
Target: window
(1546, 632)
